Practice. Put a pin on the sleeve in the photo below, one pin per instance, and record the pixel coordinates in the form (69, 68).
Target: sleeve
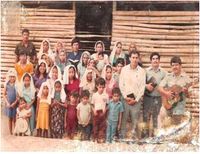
(121, 109)
(78, 107)
(93, 99)
(142, 85)
(17, 50)
(163, 83)
(34, 50)
(122, 83)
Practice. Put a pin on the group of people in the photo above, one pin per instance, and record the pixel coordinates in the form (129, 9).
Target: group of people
(58, 92)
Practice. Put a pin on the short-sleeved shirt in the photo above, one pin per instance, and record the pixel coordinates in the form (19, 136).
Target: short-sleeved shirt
(74, 58)
(114, 109)
(99, 101)
(159, 75)
(29, 50)
(85, 112)
(181, 80)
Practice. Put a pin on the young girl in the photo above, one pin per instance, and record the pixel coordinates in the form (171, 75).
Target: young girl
(88, 81)
(110, 82)
(100, 58)
(48, 60)
(23, 115)
(58, 106)
(61, 60)
(10, 96)
(45, 47)
(119, 65)
(71, 115)
(71, 81)
(82, 65)
(58, 47)
(40, 75)
(116, 53)
(27, 90)
(42, 112)
(54, 74)
(92, 65)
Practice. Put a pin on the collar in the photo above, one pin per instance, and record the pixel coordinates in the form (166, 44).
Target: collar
(151, 68)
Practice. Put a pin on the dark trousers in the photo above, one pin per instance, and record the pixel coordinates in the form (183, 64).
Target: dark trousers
(85, 131)
(99, 125)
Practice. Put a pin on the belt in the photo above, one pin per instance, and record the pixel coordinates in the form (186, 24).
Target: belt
(152, 96)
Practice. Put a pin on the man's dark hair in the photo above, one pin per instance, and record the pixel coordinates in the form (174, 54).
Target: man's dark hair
(25, 31)
(85, 93)
(175, 59)
(134, 52)
(22, 52)
(75, 40)
(116, 90)
(120, 61)
(154, 54)
(100, 81)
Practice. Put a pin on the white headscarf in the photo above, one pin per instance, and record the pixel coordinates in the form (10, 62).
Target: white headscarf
(49, 93)
(112, 55)
(66, 74)
(50, 52)
(62, 93)
(84, 78)
(81, 59)
(21, 86)
(95, 46)
(59, 72)
(11, 72)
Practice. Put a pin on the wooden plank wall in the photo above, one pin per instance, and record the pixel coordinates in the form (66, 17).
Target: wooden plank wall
(167, 32)
(53, 24)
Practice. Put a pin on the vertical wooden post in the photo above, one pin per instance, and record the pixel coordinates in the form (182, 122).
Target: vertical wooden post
(114, 6)
(73, 5)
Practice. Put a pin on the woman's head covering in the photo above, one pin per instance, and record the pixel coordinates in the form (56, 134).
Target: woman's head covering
(112, 55)
(39, 63)
(50, 53)
(81, 59)
(21, 86)
(11, 72)
(49, 93)
(99, 42)
(66, 74)
(62, 93)
(84, 78)
(56, 46)
(59, 72)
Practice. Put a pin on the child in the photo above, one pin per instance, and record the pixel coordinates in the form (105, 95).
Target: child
(119, 65)
(84, 115)
(110, 82)
(23, 115)
(57, 111)
(27, 90)
(10, 96)
(71, 115)
(82, 65)
(99, 57)
(42, 112)
(115, 109)
(88, 81)
(48, 60)
(61, 60)
(99, 100)
(71, 81)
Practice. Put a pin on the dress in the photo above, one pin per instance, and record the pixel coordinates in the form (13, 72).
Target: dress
(57, 118)
(72, 87)
(38, 82)
(71, 119)
(28, 97)
(43, 115)
(11, 97)
(22, 125)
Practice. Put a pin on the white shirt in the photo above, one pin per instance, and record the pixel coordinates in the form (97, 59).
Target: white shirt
(99, 101)
(132, 81)
(85, 112)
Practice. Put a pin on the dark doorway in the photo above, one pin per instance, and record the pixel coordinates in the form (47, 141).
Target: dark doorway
(93, 23)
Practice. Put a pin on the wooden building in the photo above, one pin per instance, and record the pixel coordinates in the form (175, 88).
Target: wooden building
(168, 27)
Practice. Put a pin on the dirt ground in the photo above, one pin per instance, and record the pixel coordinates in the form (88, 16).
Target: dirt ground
(11, 143)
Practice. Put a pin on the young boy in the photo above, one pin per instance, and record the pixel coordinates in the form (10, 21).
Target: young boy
(116, 109)
(84, 115)
(99, 100)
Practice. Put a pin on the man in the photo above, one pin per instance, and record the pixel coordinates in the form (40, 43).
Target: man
(26, 46)
(132, 85)
(177, 77)
(75, 55)
(152, 98)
